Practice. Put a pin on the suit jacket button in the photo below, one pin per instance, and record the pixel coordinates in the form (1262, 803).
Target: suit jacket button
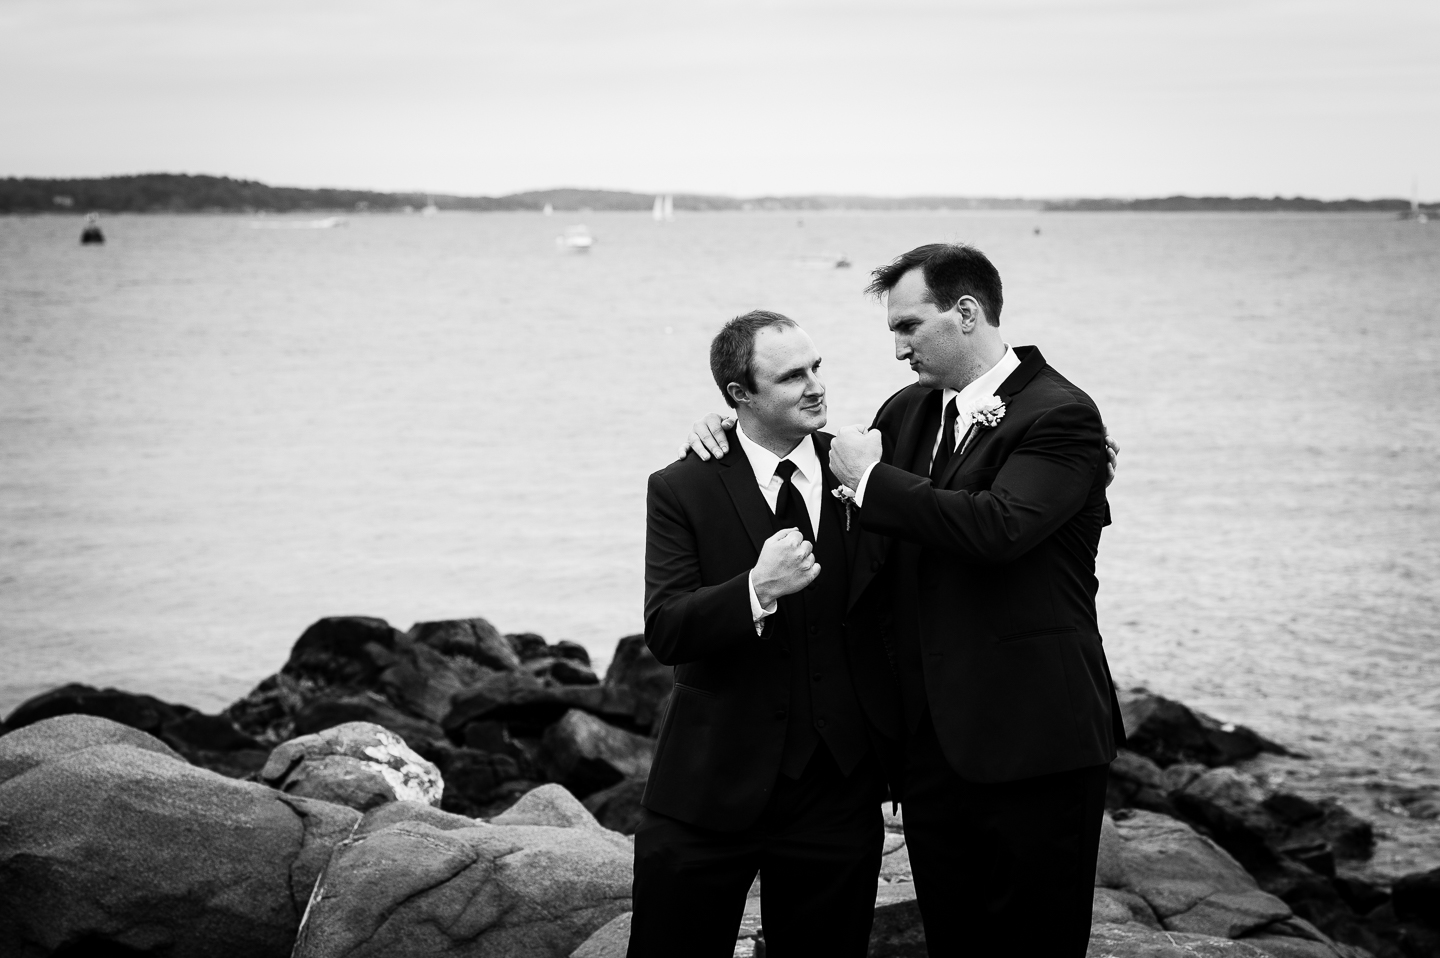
(874, 565)
(814, 629)
(816, 676)
(819, 723)
(779, 713)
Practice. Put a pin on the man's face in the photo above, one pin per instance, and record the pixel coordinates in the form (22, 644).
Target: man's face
(929, 340)
(789, 398)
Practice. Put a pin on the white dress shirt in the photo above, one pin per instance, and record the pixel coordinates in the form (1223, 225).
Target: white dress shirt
(983, 385)
(808, 480)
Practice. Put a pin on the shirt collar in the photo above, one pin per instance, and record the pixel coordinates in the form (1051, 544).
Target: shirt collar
(987, 382)
(763, 461)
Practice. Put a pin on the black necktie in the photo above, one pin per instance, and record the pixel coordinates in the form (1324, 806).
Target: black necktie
(790, 507)
(947, 443)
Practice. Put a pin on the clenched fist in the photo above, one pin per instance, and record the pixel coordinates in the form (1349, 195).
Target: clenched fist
(787, 565)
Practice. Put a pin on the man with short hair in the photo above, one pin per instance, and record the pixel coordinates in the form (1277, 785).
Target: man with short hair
(982, 492)
(989, 477)
(767, 757)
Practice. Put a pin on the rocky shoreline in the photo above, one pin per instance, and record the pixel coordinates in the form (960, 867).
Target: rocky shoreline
(452, 790)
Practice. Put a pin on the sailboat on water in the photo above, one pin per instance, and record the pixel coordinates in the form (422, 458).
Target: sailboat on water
(664, 209)
(1415, 212)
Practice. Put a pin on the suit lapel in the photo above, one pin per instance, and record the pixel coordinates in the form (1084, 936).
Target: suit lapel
(739, 480)
(1031, 362)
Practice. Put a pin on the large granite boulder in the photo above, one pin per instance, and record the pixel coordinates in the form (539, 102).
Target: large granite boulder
(357, 764)
(1134, 940)
(537, 881)
(1191, 883)
(1168, 732)
(612, 940)
(319, 714)
(586, 755)
(110, 841)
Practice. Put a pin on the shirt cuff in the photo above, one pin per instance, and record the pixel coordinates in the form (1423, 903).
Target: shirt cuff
(860, 489)
(758, 613)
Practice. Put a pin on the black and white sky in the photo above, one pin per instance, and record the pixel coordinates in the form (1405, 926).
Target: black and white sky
(956, 97)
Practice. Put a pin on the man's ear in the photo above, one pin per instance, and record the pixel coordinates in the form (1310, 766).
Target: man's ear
(737, 393)
(969, 311)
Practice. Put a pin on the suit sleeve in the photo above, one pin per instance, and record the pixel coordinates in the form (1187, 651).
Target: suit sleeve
(1043, 482)
(686, 620)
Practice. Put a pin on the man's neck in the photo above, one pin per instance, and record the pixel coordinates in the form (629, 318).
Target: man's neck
(755, 430)
(983, 360)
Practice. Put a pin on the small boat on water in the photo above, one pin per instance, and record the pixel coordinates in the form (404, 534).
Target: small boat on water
(328, 223)
(548, 210)
(429, 209)
(577, 239)
(1415, 212)
(91, 235)
(664, 209)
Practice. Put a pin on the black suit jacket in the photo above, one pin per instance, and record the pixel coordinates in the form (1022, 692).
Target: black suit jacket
(995, 575)
(723, 733)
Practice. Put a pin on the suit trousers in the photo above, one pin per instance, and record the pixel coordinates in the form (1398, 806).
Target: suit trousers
(816, 847)
(989, 858)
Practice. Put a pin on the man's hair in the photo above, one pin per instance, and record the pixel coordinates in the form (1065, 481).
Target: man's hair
(732, 351)
(951, 270)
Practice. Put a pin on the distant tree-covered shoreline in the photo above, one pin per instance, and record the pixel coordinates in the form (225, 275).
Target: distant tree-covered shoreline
(183, 193)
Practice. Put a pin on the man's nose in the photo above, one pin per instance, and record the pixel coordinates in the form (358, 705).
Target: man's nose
(902, 348)
(813, 386)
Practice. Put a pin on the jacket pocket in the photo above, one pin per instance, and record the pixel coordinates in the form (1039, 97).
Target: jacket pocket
(690, 688)
(1037, 633)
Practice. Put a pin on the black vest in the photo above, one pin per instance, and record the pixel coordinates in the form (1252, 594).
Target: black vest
(823, 705)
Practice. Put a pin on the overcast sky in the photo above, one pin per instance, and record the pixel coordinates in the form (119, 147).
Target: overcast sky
(1010, 97)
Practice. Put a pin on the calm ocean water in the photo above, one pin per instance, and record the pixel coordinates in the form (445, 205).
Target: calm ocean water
(213, 435)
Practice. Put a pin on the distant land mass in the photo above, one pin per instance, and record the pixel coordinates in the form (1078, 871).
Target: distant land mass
(183, 193)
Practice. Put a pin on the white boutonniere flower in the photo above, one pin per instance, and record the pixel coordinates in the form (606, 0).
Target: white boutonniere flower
(987, 412)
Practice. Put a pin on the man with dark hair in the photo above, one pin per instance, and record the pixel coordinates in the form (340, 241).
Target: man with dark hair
(981, 490)
(989, 477)
(767, 757)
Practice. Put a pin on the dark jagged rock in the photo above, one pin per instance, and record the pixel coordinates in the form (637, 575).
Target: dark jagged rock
(1168, 732)
(573, 651)
(1397, 938)
(563, 671)
(1137, 782)
(1417, 898)
(475, 639)
(343, 651)
(636, 672)
(618, 807)
(586, 755)
(471, 778)
(521, 697)
(1362, 896)
(1260, 828)
(111, 839)
(210, 741)
(325, 713)
(143, 712)
(527, 645)
(423, 679)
